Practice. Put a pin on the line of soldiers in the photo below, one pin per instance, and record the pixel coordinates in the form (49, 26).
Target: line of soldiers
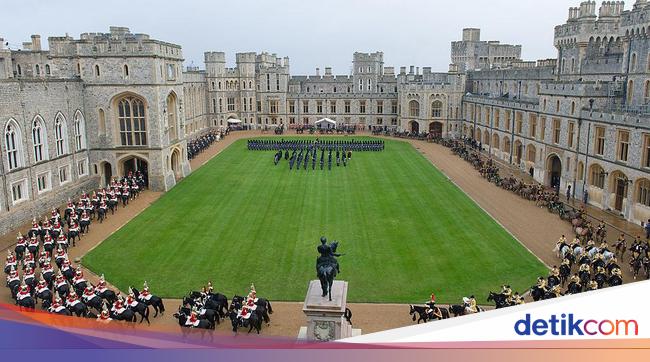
(198, 145)
(301, 159)
(273, 144)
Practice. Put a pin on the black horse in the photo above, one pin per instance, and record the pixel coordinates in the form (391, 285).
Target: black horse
(537, 293)
(142, 309)
(79, 309)
(210, 315)
(500, 300)
(254, 321)
(154, 301)
(423, 316)
(127, 315)
(182, 320)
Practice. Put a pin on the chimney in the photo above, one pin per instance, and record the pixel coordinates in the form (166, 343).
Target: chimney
(328, 71)
(417, 70)
(36, 42)
(411, 69)
(2, 43)
(402, 70)
(318, 72)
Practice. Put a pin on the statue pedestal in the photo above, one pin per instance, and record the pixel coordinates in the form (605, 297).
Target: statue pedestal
(325, 319)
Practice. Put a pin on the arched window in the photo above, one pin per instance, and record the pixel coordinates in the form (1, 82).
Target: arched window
(39, 139)
(79, 131)
(60, 133)
(78, 69)
(643, 192)
(414, 109)
(96, 70)
(131, 118)
(633, 63)
(126, 71)
(646, 92)
(250, 84)
(581, 171)
(19, 70)
(630, 91)
(436, 109)
(47, 69)
(101, 130)
(573, 108)
(597, 176)
(171, 116)
(38, 69)
(13, 145)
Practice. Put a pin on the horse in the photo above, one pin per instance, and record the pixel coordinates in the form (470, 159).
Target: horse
(45, 295)
(27, 302)
(500, 300)
(620, 248)
(459, 310)
(182, 320)
(127, 315)
(326, 275)
(537, 293)
(254, 321)
(142, 309)
(108, 295)
(600, 279)
(262, 304)
(421, 312)
(635, 266)
(95, 302)
(78, 309)
(574, 288)
(565, 272)
(208, 314)
(614, 281)
(154, 301)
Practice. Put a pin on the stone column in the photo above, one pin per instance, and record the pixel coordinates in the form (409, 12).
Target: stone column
(326, 319)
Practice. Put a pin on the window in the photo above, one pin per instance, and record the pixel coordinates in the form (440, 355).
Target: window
(230, 104)
(38, 69)
(19, 70)
(79, 131)
(369, 85)
(532, 126)
(556, 130)
(292, 107)
(43, 182)
(436, 109)
(305, 106)
(643, 192)
(172, 119)
(507, 119)
(599, 142)
(273, 106)
(557, 106)
(259, 106)
(597, 177)
(60, 132)
(39, 139)
(519, 122)
(630, 91)
(633, 63)
(277, 83)
(414, 108)
(581, 171)
(571, 134)
(126, 72)
(645, 157)
(319, 107)
(292, 120)
(646, 91)
(64, 174)
(393, 107)
(13, 145)
(171, 72)
(393, 121)
(380, 121)
(497, 118)
(82, 168)
(347, 107)
(132, 121)
(101, 130)
(380, 107)
(19, 191)
(362, 106)
(573, 108)
(47, 69)
(96, 70)
(360, 85)
(333, 107)
(623, 144)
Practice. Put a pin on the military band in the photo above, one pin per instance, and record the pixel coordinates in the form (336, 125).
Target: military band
(273, 144)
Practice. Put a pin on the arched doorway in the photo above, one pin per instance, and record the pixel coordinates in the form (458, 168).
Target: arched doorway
(618, 187)
(176, 163)
(106, 173)
(435, 128)
(414, 126)
(134, 164)
(554, 171)
(519, 150)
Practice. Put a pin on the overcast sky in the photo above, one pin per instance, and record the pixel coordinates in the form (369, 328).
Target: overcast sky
(312, 33)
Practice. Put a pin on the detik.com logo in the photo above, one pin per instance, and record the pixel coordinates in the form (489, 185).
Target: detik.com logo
(569, 325)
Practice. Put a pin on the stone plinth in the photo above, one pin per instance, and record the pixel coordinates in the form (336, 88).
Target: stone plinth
(325, 319)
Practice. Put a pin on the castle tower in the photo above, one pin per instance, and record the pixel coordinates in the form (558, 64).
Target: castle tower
(366, 70)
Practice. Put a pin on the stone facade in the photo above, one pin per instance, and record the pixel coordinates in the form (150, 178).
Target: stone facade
(471, 53)
(581, 121)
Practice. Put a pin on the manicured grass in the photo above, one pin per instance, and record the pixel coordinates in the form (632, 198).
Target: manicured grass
(405, 228)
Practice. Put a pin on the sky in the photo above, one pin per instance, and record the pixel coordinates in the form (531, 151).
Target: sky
(312, 34)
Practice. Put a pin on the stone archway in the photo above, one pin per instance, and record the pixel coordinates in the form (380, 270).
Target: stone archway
(618, 187)
(414, 126)
(176, 163)
(134, 164)
(106, 173)
(553, 171)
(435, 128)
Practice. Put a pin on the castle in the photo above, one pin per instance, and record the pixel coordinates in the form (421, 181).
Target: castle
(96, 107)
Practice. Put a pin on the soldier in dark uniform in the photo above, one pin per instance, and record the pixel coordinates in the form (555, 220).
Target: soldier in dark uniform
(338, 157)
(292, 160)
(322, 158)
(313, 160)
(329, 160)
(286, 154)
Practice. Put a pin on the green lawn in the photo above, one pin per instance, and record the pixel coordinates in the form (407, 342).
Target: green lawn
(406, 231)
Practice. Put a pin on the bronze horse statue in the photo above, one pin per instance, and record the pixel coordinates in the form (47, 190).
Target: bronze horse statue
(327, 266)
